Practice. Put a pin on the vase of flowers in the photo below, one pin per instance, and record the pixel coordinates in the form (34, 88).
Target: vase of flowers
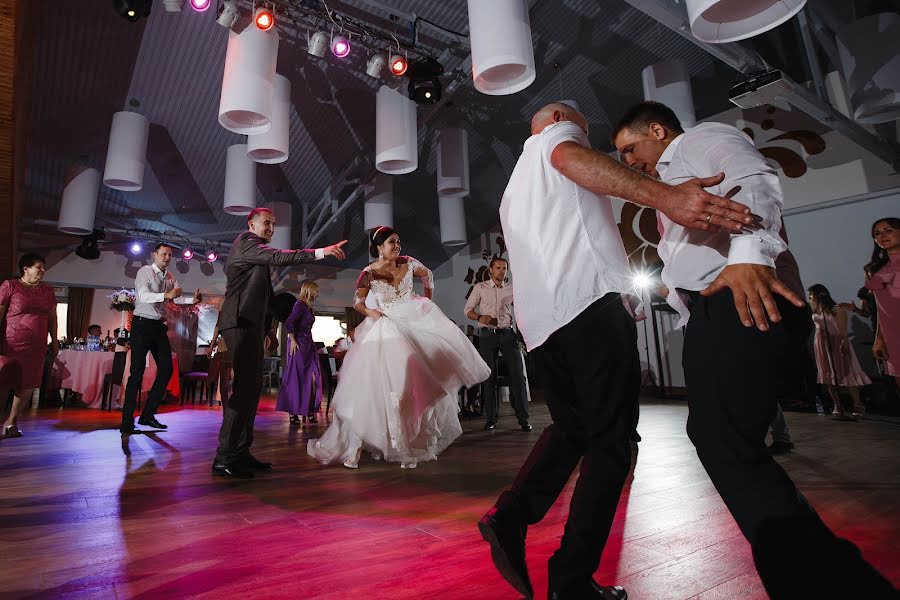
(122, 301)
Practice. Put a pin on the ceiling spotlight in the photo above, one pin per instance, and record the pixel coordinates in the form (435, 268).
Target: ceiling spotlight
(375, 65)
(398, 65)
(187, 254)
(317, 43)
(212, 256)
(340, 46)
(136, 248)
(424, 81)
(200, 5)
(264, 18)
(229, 14)
(133, 10)
(88, 248)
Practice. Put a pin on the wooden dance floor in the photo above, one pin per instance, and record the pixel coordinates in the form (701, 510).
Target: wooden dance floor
(79, 519)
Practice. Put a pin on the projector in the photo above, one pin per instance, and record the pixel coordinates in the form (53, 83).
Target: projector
(760, 89)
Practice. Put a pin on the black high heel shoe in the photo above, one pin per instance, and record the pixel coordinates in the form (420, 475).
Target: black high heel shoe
(295, 420)
(313, 419)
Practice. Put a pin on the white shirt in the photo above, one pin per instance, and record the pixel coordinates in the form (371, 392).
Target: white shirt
(150, 287)
(563, 241)
(693, 259)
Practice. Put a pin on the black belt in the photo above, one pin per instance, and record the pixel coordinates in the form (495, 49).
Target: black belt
(148, 319)
(497, 329)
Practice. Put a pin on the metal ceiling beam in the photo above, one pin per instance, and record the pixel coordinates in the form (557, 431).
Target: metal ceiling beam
(674, 16)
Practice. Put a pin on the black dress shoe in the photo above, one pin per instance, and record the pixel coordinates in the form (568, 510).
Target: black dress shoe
(236, 471)
(593, 590)
(489, 426)
(780, 448)
(132, 431)
(507, 539)
(258, 465)
(526, 426)
(152, 422)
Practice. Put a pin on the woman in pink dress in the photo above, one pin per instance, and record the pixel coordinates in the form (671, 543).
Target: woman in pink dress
(883, 278)
(835, 358)
(27, 315)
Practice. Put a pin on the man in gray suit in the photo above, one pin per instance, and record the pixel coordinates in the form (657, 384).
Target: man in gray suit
(243, 323)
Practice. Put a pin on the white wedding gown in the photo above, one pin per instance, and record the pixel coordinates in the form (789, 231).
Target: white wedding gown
(397, 392)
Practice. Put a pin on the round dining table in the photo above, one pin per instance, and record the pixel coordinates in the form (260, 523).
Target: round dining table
(83, 372)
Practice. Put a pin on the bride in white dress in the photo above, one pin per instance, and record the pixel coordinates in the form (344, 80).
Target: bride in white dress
(397, 393)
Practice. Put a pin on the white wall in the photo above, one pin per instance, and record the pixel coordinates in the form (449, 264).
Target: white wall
(833, 243)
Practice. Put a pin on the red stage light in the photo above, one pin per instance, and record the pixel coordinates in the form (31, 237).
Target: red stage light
(264, 19)
(398, 65)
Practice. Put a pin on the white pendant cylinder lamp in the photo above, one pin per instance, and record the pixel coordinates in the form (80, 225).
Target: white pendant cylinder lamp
(272, 147)
(127, 152)
(378, 209)
(453, 220)
(396, 136)
(240, 181)
(79, 201)
(869, 51)
(248, 82)
(453, 162)
(284, 214)
(720, 21)
(669, 83)
(502, 50)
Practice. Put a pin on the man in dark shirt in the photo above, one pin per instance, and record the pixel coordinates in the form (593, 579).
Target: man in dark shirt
(243, 324)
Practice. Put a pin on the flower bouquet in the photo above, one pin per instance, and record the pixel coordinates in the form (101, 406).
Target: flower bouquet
(122, 301)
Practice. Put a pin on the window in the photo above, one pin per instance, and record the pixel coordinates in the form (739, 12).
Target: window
(62, 314)
(327, 330)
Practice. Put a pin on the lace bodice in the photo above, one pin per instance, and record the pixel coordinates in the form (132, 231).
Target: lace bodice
(382, 293)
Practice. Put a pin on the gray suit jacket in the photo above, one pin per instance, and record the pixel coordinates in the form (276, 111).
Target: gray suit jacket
(249, 284)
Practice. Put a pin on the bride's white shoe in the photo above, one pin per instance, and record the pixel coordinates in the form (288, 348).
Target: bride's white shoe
(353, 463)
(408, 464)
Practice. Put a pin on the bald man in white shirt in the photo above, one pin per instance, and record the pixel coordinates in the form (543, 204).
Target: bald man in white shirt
(742, 324)
(571, 269)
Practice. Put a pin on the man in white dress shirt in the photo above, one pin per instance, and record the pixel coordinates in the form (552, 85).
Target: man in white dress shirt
(490, 303)
(571, 270)
(722, 284)
(154, 285)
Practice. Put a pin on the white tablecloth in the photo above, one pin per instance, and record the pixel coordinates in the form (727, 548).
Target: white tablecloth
(83, 372)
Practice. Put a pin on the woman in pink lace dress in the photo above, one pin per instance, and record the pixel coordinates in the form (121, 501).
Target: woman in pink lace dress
(883, 278)
(27, 315)
(835, 358)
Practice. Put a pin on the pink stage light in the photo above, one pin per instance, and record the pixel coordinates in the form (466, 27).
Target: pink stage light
(200, 5)
(187, 254)
(340, 46)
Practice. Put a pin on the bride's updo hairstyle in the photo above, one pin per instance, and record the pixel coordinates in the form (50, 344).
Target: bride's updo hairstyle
(378, 237)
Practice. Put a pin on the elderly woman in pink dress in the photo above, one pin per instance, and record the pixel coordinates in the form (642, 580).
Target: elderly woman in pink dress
(835, 358)
(883, 278)
(27, 316)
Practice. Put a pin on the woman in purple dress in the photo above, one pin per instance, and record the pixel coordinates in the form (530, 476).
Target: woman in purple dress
(27, 315)
(300, 394)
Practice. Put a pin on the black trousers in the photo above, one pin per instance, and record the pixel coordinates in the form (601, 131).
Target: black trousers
(488, 345)
(732, 374)
(591, 390)
(245, 345)
(147, 335)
